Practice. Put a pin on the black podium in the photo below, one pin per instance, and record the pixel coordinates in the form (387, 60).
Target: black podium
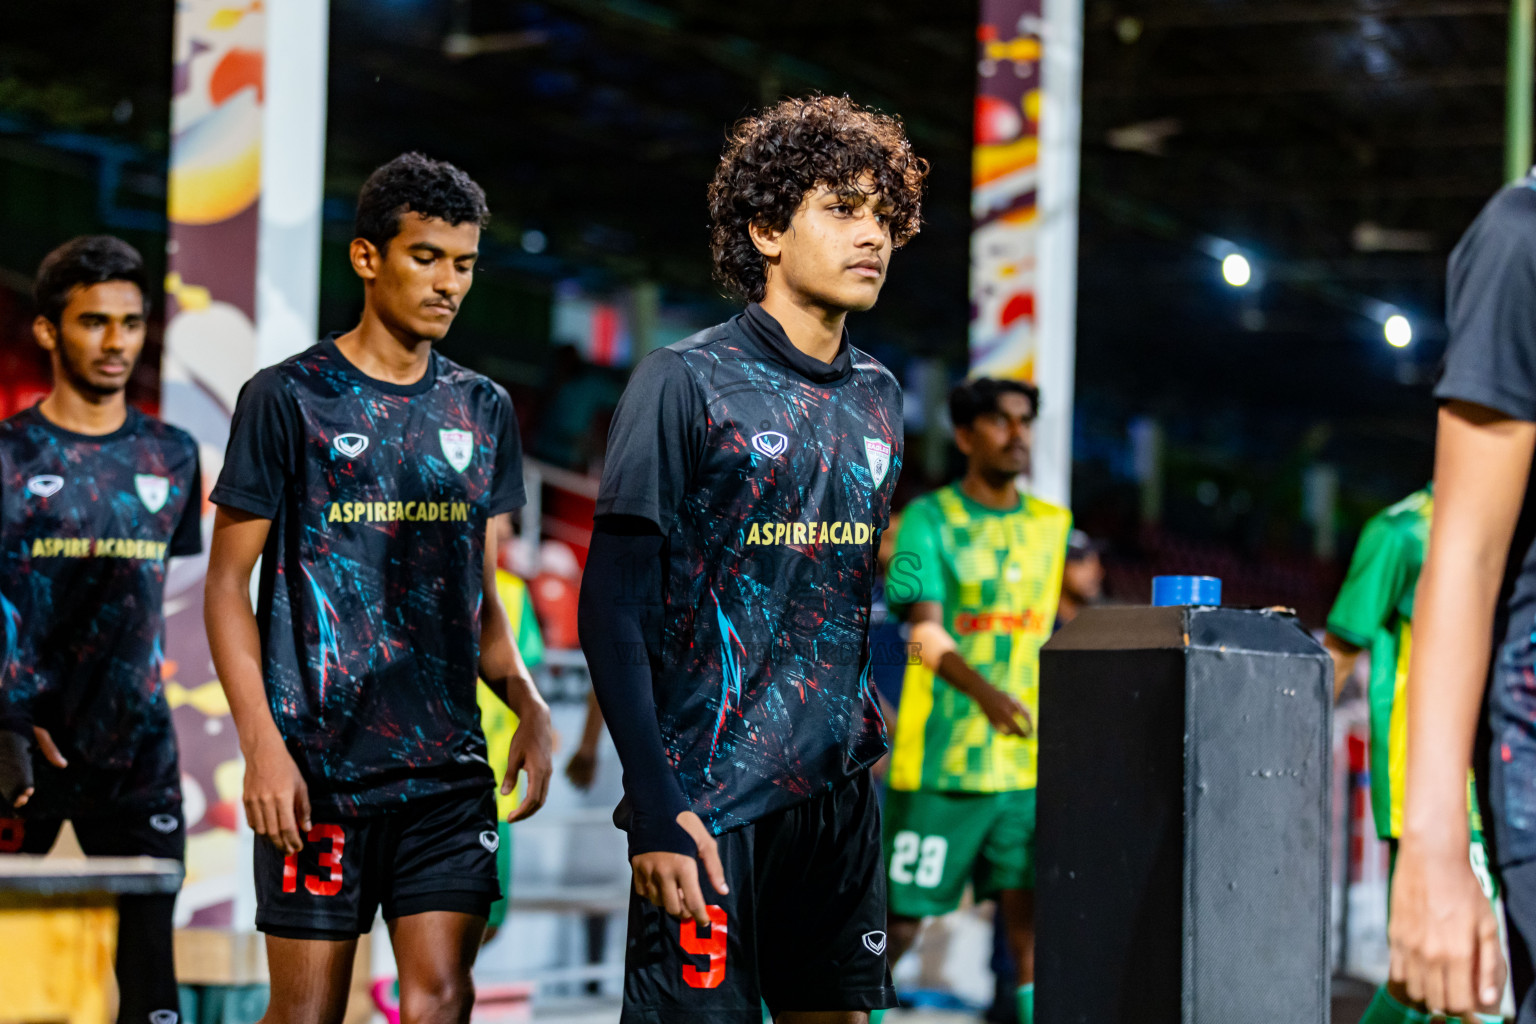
(1182, 845)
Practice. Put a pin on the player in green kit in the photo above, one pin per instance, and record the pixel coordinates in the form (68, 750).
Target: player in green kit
(1374, 610)
(977, 572)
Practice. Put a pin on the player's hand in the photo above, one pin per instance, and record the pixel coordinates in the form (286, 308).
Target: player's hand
(1443, 934)
(49, 748)
(671, 880)
(581, 769)
(276, 797)
(15, 767)
(1006, 714)
(532, 751)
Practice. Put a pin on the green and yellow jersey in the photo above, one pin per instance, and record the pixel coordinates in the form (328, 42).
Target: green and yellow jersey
(998, 577)
(1374, 610)
(496, 718)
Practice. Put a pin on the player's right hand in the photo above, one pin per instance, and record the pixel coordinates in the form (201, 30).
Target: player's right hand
(1443, 934)
(15, 767)
(1004, 711)
(581, 769)
(671, 880)
(276, 797)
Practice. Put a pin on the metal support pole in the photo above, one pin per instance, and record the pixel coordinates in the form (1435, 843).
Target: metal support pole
(1517, 107)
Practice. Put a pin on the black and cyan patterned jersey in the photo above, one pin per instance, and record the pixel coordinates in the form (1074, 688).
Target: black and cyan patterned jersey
(371, 581)
(88, 523)
(771, 475)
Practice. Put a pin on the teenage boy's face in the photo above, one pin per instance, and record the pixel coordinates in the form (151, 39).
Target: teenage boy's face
(997, 443)
(417, 283)
(98, 337)
(835, 251)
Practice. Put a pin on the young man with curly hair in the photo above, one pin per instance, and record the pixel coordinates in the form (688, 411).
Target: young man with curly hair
(371, 475)
(725, 605)
(97, 497)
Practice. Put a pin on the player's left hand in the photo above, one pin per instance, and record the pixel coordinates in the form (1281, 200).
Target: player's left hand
(532, 751)
(49, 748)
(581, 769)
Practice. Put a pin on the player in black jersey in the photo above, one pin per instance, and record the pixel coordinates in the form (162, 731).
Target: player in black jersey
(725, 603)
(372, 476)
(94, 498)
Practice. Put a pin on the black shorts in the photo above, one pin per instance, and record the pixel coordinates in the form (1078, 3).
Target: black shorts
(437, 854)
(803, 927)
(128, 832)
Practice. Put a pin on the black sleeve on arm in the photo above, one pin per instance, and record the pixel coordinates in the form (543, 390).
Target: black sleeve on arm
(188, 538)
(507, 492)
(621, 590)
(1490, 359)
(262, 452)
(654, 443)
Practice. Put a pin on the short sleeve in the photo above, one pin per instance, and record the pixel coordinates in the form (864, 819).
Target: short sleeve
(655, 443)
(1379, 573)
(1490, 359)
(262, 452)
(916, 570)
(188, 538)
(507, 490)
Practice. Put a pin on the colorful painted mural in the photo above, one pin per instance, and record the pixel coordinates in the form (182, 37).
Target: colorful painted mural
(210, 350)
(1005, 179)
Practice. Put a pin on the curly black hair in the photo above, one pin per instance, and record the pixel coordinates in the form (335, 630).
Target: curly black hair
(414, 183)
(87, 260)
(772, 160)
(977, 397)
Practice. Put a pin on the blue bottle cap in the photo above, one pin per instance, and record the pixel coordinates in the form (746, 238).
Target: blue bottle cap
(1175, 590)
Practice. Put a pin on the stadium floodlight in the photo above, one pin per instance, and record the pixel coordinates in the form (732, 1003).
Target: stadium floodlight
(1398, 330)
(1235, 270)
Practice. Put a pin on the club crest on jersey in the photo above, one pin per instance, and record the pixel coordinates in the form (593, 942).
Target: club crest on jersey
(153, 490)
(351, 445)
(490, 840)
(879, 460)
(458, 447)
(771, 443)
(45, 486)
(874, 942)
(163, 823)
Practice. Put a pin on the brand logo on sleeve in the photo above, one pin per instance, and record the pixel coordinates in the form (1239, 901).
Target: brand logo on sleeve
(153, 490)
(164, 823)
(351, 445)
(163, 1017)
(490, 840)
(879, 454)
(875, 942)
(458, 447)
(771, 443)
(45, 486)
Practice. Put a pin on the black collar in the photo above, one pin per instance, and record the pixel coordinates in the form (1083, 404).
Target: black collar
(768, 334)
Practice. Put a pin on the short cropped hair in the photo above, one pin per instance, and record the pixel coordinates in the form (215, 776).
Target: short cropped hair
(772, 160)
(977, 397)
(414, 183)
(88, 260)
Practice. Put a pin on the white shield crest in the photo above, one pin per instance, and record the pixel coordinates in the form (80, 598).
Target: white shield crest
(153, 490)
(771, 443)
(46, 485)
(879, 458)
(165, 823)
(874, 942)
(351, 445)
(490, 840)
(458, 447)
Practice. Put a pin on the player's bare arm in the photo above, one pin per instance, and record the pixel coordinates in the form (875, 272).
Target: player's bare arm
(940, 655)
(503, 669)
(276, 797)
(1345, 655)
(1444, 937)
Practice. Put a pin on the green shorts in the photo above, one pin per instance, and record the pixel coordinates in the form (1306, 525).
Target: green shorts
(935, 842)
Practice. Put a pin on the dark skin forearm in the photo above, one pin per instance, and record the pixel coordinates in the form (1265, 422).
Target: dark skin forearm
(937, 650)
(1344, 655)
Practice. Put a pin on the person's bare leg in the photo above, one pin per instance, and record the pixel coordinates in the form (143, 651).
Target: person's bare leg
(823, 1017)
(900, 933)
(1019, 920)
(310, 979)
(436, 952)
